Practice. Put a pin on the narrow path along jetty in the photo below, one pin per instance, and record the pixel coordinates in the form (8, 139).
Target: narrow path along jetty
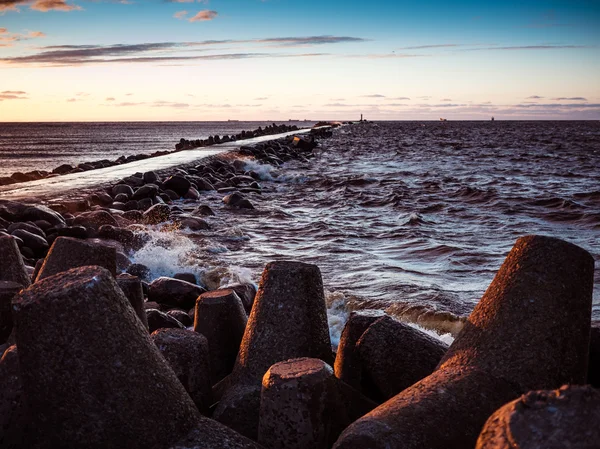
(96, 353)
(183, 144)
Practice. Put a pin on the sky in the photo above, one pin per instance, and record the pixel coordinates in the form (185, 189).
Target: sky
(142, 60)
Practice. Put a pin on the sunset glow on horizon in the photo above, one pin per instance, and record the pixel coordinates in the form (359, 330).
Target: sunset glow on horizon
(277, 60)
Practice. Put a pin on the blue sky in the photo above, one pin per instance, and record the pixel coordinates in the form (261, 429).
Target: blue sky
(278, 59)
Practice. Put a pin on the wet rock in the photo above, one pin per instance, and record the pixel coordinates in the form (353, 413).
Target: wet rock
(394, 356)
(146, 191)
(139, 270)
(133, 216)
(37, 244)
(66, 367)
(150, 177)
(187, 354)
(35, 213)
(63, 169)
(8, 291)
(174, 293)
(347, 361)
(67, 253)
(188, 277)
(124, 236)
(203, 211)
(172, 195)
(236, 199)
(29, 227)
(93, 220)
(288, 320)
(77, 232)
(194, 224)
(159, 213)
(122, 189)
(506, 347)
(177, 184)
(132, 289)
(192, 194)
(12, 267)
(220, 317)
(144, 204)
(203, 184)
(182, 316)
(564, 418)
(160, 320)
(121, 198)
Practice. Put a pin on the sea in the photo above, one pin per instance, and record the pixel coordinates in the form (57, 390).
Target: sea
(413, 218)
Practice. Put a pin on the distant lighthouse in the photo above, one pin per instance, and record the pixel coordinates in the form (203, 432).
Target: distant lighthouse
(361, 117)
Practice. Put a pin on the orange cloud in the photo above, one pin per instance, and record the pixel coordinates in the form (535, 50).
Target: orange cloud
(204, 16)
(56, 5)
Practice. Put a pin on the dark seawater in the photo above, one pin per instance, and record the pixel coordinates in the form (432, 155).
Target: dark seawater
(411, 217)
(45, 146)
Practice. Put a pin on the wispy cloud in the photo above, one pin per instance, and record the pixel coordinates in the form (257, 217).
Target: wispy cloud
(400, 98)
(373, 96)
(13, 95)
(204, 16)
(7, 38)
(569, 99)
(159, 52)
(529, 47)
(420, 47)
(534, 97)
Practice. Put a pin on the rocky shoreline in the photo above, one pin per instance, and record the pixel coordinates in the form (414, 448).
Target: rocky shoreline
(98, 354)
(183, 144)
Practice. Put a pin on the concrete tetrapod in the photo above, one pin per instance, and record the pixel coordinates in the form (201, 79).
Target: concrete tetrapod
(67, 252)
(12, 268)
(92, 376)
(132, 288)
(221, 318)
(347, 363)
(288, 320)
(529, 331)
(567, 418)
(303, 405)
(187, 354)
(394, 355)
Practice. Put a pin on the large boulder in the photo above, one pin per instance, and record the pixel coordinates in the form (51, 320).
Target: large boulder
(95, 219)
(35, 213)
(158, 213)
(67, 253)
(558, 419)
(12, 267)
(92, 376)
(174, 293)
(288, 320)
(594, 359)
(529, 331)
(177, 184)
(36, 243)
